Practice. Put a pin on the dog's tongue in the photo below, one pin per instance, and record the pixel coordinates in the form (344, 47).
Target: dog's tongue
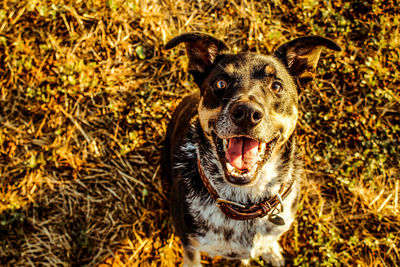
(242, 152)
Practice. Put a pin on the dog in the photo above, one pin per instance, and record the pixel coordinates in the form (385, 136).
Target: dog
(230, 149)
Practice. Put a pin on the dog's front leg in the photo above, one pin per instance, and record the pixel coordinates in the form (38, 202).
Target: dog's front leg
(273, 255)
(191, 258)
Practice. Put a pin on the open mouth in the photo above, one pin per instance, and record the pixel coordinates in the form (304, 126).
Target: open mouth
(242, 157)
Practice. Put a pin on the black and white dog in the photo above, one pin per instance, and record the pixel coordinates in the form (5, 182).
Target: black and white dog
(230, 149)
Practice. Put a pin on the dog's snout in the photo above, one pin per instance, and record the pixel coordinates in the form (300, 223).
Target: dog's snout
(246, 115)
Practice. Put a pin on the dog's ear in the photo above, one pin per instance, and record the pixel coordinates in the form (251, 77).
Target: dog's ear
(201, 48)
(301, 55)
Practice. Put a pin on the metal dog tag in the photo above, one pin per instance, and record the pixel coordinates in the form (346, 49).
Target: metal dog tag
(277, 220)
(274, 218)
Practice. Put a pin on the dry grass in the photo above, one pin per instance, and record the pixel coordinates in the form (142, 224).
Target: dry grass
(86, 91)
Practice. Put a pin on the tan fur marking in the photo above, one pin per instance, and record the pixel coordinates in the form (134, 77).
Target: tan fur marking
(205, 115)
(270, 69)
(230, 68)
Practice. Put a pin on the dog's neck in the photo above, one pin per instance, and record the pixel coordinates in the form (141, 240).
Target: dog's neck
(238, 211)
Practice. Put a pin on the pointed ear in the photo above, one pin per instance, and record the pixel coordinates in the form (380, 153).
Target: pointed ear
(201, 48)
(301, 55)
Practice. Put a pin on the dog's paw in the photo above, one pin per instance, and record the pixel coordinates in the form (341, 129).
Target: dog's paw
(191, 258)
(246, 262)
(273, 255)
(191, 264)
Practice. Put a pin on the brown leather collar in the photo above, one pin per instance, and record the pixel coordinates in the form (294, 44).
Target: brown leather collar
(243, 212)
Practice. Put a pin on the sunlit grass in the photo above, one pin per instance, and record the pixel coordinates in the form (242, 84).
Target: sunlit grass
(86, 92)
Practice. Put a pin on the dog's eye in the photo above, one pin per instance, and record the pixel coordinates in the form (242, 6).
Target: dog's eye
(220, 84)
(219, 89)
(276, 87)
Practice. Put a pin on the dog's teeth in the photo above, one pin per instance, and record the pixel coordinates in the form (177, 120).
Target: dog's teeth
(261, 148)
(230, 167)
(232, 170)
(225, 143)
(235, 172)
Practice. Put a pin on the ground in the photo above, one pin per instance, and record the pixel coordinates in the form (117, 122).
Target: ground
(86, 92)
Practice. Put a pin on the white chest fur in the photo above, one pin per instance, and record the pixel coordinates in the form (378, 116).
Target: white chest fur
(222, 236)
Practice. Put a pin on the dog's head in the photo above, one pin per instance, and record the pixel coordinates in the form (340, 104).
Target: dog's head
(248, 104)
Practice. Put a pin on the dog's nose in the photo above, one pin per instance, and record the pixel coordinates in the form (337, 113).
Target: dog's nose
(246, 115)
